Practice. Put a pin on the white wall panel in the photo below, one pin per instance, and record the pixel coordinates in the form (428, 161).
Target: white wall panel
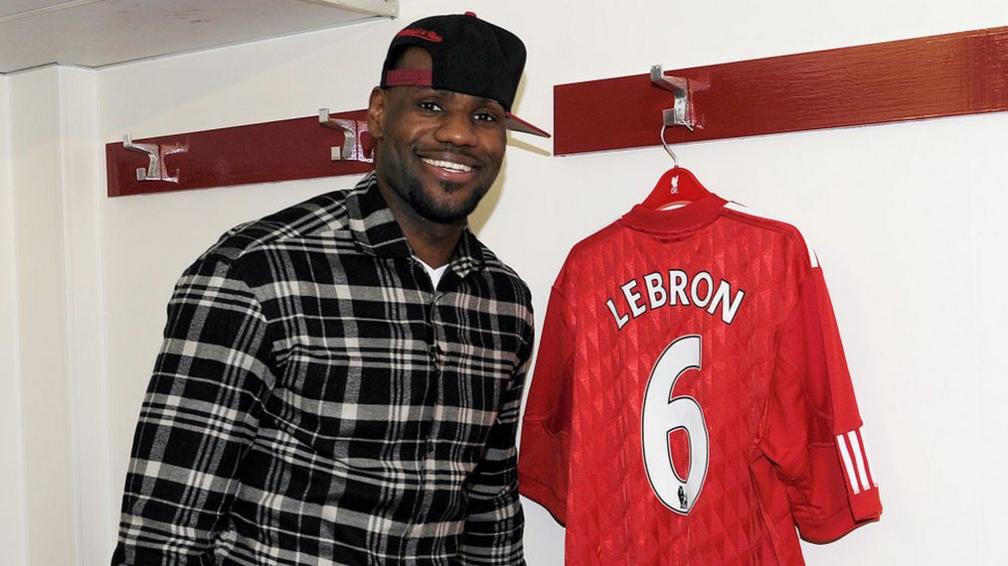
(13, 543)
(82, 193)
(57, 348)
(989, 200)
(42, 300)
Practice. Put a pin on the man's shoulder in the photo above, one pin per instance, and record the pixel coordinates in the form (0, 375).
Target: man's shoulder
(322, 216)
(503, 272)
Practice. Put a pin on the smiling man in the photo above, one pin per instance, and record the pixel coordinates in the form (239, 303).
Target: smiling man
(340, 381)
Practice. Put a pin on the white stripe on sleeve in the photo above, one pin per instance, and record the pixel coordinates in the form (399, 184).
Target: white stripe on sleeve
(862, 460)
(845, 455)
(859, 457)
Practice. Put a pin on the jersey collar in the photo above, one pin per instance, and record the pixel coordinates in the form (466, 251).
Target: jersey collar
(692, 216)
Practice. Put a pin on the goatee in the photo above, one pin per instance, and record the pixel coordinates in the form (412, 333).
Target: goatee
(434, 212)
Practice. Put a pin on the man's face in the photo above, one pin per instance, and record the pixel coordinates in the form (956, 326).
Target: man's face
(440, 151)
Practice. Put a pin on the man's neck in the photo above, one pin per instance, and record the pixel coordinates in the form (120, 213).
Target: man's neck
(434, 247)
(432, 242)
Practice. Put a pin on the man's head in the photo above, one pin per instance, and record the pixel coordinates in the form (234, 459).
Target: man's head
(440, 114)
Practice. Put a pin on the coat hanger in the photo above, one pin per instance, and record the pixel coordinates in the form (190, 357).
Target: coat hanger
(676, 186)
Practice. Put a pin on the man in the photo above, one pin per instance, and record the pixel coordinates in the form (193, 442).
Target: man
(340, 381)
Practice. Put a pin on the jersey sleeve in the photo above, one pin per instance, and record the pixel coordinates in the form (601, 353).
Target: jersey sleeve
(545, 439)
(811, 431)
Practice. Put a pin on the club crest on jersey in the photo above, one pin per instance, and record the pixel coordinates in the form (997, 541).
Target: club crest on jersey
(677, 288)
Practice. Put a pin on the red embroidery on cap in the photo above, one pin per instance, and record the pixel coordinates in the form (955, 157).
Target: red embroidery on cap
(408, 77)
(422, 34)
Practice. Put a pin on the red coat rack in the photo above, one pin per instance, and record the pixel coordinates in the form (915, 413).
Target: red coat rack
(299, 148)
(943, 75)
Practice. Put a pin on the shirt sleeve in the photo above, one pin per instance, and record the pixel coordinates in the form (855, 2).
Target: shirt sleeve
(495, 522)
(199, 416)
(812, 427)
(545, 441)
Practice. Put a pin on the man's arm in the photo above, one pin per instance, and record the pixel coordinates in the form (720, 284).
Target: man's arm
(198, 418)
(493, 531)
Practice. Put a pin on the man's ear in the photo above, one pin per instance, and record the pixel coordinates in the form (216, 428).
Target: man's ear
(376, 112)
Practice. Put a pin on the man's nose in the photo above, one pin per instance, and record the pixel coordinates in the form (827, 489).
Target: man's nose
(457, 128)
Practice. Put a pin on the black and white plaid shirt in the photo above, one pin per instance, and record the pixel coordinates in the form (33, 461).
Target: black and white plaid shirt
(317, 401)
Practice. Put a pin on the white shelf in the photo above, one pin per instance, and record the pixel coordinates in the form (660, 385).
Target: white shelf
(96, 33)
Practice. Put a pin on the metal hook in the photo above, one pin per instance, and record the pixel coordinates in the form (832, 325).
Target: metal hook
(153, 153)
(675, 161)
(353, 130)
(349, 129)
(674, 181)
(681, 113)
(156, 169)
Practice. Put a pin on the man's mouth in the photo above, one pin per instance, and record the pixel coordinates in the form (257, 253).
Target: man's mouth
(451, 166)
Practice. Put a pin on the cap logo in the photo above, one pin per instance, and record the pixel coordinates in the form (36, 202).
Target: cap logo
(408, 77)
(421, 33)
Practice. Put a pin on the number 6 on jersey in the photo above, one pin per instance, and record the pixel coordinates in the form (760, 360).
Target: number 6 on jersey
(662, 414)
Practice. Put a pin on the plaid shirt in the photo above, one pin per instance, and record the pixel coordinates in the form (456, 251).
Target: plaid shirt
(317, 401)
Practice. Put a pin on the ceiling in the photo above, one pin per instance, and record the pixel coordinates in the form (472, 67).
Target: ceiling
(95, 33)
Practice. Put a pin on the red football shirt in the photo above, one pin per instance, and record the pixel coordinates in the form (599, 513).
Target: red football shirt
(691, 402)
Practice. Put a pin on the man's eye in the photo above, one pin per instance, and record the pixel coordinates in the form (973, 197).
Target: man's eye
(485, 117)
(429, 106)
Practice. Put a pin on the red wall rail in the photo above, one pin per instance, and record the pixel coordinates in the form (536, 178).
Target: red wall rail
(943, 75)
(299, 148)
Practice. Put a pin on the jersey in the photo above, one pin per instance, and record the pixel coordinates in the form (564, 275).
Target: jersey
(691, 402)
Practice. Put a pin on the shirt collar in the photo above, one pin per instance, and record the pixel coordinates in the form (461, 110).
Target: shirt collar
(376, 232)
(468, 255)
(692, 216)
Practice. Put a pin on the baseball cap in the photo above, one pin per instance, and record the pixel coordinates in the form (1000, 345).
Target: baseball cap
(468, 55)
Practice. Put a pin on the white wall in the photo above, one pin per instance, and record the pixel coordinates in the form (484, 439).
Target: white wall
(51, 308)
(86, 380)
(905, 218)
(41, 270)
(13, 543)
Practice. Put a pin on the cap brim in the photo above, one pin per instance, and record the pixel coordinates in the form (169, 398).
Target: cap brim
(516, 124)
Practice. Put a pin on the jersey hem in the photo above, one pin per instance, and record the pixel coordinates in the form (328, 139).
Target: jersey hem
(866, 508)
(541, 493)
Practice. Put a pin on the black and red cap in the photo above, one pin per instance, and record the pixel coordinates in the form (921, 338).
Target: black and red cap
(468, 55)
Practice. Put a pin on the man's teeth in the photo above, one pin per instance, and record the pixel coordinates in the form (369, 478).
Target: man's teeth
(449, 165)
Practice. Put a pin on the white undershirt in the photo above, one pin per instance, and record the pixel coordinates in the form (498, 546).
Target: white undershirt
(435, 273)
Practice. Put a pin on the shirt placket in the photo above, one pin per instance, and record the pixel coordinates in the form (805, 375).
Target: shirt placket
(427, 450)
